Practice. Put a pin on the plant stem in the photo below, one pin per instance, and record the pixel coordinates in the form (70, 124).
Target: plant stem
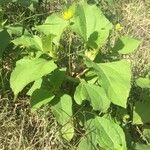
(69, 61)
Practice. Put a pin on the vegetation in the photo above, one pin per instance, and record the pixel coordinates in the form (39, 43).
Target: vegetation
(70, 77)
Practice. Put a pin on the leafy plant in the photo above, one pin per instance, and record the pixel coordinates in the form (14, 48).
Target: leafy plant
(94, 88)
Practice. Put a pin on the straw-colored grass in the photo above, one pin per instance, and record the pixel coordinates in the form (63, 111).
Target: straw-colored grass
(136, 18)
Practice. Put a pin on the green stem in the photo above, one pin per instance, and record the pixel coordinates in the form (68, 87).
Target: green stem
(69, 61)
(76, 80)
(15, 98)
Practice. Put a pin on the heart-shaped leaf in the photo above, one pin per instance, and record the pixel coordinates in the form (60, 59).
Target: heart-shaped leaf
(115, 78)
(91, 24)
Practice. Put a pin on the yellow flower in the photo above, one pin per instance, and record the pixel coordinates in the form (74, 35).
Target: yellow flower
(68, 14)
(119, 27)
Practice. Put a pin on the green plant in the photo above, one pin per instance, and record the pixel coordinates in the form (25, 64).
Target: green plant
(86, 98)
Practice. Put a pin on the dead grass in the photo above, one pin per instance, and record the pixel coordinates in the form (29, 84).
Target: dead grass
(136, 18)
(21, 130)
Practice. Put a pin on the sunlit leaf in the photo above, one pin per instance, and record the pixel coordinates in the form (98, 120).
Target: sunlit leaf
(28, 70)
(143, 82)
(115, 79)
(126, 44)
(91, 24)
(55, 25)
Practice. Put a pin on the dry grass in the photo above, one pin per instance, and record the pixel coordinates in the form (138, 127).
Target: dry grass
(21, 130)
(136, 18)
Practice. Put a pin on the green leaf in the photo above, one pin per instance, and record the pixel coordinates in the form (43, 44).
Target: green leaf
(126, 45)
(47, 45)
(115, 79)
(35, 86)
(91, 77)
(91, 24)
(47, 42)
(44, 43)
(89, 140)
(142, 147)
(93, 93)
(68, 131)
(53, 25)
(32, 42)
(16, 30)
(143, 82)
(110, 135)
(57, 78)
(62, 110)
(39, 98)
(4, 41)
(28, 70)
(141, 113)
(86, 144)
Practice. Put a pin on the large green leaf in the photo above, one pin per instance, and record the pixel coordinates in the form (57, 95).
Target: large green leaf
(55, 25)
(141, 113)
(93, 93)
(91, 24)
(126, 44)
(143, 82)
(109, 135)
(115, 79)
(28, 70)
(63, 113)
(39, 98)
